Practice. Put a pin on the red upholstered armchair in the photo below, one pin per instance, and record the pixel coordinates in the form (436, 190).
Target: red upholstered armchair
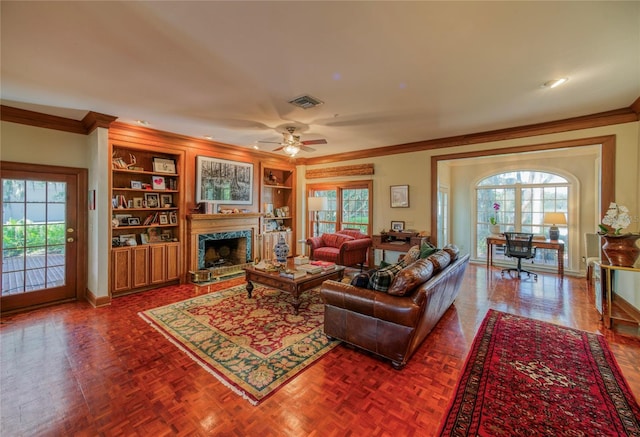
(348, 247)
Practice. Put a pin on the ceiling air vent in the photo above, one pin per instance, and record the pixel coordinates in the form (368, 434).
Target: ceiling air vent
(306, 102)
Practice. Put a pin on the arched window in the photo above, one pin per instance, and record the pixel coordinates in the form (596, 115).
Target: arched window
(517, 201)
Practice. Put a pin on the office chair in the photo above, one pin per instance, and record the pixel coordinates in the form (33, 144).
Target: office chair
(520, 246)
(592, 254)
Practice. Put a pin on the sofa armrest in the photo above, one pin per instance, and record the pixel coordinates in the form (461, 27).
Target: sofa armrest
(363, 243)
(314, 243)
(400, 310)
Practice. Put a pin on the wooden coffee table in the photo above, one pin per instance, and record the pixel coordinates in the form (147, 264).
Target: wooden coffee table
(293, 286)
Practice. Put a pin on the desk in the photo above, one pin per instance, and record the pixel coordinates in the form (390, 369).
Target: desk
(617, 309)
(542, 244)
(401, 246)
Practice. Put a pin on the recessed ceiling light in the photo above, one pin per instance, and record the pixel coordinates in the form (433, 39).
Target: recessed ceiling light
(207, 137)
(142, 122)
(555, 82)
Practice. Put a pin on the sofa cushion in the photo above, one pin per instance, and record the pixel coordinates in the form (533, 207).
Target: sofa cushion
(427, 249)
(382, 278)
(412, 255)
(411, 276)
(335, 240)
(440, 260)
(452, 250)
(326, 253)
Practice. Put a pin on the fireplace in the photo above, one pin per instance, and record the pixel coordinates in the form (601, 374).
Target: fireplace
(224, 249)
(222, 242)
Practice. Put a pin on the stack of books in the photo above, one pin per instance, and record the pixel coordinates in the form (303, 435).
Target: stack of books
(324, 265)
(310, 269)
(292, 274)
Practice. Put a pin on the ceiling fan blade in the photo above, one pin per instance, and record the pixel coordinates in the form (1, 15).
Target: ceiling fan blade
(306, 149)
(310, 142)
(278, 148)
(270, 142)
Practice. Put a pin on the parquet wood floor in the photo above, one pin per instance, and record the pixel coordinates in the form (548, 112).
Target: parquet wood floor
(74, 370)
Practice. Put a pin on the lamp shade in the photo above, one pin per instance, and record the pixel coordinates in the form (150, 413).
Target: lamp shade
(318, 203)
(555, 218)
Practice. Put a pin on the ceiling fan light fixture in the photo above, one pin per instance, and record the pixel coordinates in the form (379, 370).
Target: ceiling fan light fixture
(555, 82)
(291, 150)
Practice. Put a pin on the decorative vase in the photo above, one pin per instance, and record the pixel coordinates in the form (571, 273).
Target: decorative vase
(621, 250)
(494, 229)
(281, 249)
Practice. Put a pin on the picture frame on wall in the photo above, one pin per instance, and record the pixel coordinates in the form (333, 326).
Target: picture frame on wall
(164, 165)
(223, 181)
(399, 196)
(397, 226)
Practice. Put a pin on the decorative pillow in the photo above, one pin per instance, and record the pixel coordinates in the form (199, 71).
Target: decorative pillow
(355, 233)
(361, 280)
(382, 278)
(427, 249)
(335, 240)
(410, 277)
(452, 250)
(384, 264)
(440, 260)
(412, 255)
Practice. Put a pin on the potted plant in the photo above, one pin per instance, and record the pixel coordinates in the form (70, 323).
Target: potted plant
(620, 249)
(495, 227)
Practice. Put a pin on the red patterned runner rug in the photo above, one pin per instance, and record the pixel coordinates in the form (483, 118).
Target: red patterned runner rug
(253, 346)
(527, 377)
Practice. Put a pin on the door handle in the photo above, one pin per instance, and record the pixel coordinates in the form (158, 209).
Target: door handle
(70, 240)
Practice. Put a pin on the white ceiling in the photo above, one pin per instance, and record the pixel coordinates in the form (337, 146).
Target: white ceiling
(388, 72)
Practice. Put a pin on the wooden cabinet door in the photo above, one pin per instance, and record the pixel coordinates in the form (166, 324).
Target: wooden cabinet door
(173, 261)
(140, 266)
(121, 269)
(157, 263)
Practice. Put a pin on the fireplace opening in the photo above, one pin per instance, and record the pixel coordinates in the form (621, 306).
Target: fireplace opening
(224, 249)
(224, 253)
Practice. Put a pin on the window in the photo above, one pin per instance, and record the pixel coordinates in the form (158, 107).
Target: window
(522, 197)
(349, 207)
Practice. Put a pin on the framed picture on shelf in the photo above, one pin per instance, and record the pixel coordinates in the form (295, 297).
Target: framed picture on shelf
(220, 180)
(173, 218)
(152, 199)
(153, 235)
(166, 200)
(128, 240)
(399, 196)
(158, 183)
(136, 185)
(163, 219)
(397, 226)
(144, 238)
(133, 221)
(166, 236)
(164, 165)
(123, 219)
(137, 202)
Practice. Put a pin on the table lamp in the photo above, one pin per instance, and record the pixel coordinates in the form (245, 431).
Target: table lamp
(315, 205)
(553, 219)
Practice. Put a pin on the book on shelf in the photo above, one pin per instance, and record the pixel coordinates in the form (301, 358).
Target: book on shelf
(292, 274)
(309, 268)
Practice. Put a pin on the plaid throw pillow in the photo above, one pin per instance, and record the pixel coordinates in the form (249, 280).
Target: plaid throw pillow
(381, 280)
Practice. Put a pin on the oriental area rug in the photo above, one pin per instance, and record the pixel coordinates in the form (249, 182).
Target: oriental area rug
(253, 346)
(526, 377)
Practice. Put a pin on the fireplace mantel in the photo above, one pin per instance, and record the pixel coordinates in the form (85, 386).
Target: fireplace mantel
(198, 224)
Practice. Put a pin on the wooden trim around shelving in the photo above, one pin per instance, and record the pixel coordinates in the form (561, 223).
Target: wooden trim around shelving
(91, 120)
(345, 170)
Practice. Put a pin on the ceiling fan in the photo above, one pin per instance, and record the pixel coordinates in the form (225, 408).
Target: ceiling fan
(291, 143)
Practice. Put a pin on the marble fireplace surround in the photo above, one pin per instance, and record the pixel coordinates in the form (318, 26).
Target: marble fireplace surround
(205, 224)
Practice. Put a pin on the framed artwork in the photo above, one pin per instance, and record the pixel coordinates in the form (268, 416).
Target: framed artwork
(399, 196)
(166, 199)
(158, 183)
(128, 240)
(163, 219)
(137, 202)
(164, 165)
(136, 185)
(173, 218)
(133, 221)
(152, 199)
(223, 181)
(397, 226)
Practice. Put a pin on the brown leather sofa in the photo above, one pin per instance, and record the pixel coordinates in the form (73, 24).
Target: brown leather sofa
(389, 325)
